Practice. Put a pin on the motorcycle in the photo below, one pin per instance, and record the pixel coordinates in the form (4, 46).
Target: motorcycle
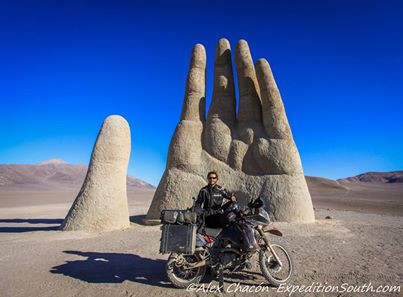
(225, 249)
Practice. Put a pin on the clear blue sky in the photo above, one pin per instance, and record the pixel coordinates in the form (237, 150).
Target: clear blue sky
(66, 65)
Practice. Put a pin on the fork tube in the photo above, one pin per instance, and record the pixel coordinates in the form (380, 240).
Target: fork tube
(266, 240)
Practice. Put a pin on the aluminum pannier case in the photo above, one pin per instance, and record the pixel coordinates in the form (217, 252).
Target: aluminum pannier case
(178, 238)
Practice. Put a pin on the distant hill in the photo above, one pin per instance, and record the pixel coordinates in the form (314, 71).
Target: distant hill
(323, 183)
(377, 192)
(365, 184)
(52, 175)
(377, 177)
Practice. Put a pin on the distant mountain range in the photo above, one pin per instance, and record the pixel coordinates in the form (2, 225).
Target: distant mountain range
(52, 175)
(378, 177)
(56, 174)
(375, 192)
(370, 180)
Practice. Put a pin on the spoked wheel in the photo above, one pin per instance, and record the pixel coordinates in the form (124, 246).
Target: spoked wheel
(180, 277)
(272, 270)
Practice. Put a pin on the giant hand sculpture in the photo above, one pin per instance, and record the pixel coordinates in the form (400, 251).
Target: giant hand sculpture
(254, 153)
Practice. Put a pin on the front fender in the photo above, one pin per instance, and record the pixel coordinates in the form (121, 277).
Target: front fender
(273, 230)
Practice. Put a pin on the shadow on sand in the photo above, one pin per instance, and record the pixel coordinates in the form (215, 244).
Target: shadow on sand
(138, 219)
(13, 229)
(119, 267)
(114, 268)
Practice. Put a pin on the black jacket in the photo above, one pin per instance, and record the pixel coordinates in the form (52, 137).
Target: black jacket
(210, 199)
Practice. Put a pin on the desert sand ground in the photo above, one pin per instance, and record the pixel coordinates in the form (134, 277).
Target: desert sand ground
(351, 248)
(380, 198)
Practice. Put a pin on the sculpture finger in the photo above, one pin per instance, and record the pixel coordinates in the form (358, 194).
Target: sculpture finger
(274, 117)
(101, 204)
(222, 114)
(186, 146)
(277, 156)
(249, 101)
(223, 104)
(195, 94)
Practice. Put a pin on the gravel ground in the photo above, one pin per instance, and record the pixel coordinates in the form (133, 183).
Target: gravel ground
(350, 249)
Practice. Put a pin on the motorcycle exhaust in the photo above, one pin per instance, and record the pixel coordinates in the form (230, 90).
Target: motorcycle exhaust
(204, 262)
(195, 265)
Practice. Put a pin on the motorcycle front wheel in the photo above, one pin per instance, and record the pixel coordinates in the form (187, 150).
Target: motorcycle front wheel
(182, 278)
(275, 273)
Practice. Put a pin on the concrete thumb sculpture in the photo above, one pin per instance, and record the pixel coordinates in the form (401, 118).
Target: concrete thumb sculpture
(101, 204)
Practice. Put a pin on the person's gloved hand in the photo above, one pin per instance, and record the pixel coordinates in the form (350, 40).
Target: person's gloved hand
(233, 198)
(252, 151)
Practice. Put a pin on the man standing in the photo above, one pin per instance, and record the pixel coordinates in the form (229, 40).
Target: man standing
(210, 199)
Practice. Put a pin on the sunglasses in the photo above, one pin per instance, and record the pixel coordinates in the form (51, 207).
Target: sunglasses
(212, 177)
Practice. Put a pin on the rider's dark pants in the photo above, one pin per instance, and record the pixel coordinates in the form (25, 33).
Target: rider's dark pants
(215, 221)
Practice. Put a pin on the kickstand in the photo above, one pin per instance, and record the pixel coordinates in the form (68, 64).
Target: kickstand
(221, 278)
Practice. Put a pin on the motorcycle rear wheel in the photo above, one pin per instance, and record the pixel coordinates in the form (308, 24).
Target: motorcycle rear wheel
(182, 278)
(271, 270)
